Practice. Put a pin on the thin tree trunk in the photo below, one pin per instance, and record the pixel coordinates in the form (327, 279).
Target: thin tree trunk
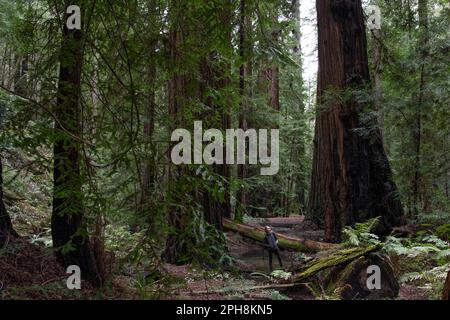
(73, 246)
(273, 72)
(149, 167)
(245, 72)
(423, 45)
(351, 177)
(298, 149)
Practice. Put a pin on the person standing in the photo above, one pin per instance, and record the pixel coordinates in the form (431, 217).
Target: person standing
(271, 244)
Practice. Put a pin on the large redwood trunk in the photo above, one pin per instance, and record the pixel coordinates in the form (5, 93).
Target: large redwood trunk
(68, 229)
(446, 292)
(351, 178)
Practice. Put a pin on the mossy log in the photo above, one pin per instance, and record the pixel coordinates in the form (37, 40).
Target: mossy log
(284, 242)
(336, 258)
(350, 280)
(347, 273)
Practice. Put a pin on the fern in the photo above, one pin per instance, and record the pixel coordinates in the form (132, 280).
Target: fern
(437, 274)
(443, 257)
(276, 295)
(280, 274)
(360, 234)
(439, 243)
(428, 245)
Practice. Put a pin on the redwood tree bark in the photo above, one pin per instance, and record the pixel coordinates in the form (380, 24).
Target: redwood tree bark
(6, 228)
(69, 234)
(418, 130)
(351, 178)
(446, 292)
(176, 248)
(245, 72)
(149, 166)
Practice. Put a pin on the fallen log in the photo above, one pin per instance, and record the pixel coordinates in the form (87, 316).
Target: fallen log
(335, 259)
(348, 273)
(281, 221)
(284, 242)
(352, 280)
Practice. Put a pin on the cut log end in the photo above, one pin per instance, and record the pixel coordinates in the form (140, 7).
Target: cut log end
(368, 277)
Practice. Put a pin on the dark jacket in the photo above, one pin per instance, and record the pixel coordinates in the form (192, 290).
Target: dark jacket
(271, 241)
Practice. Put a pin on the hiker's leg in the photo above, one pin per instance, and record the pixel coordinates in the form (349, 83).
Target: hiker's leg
(270, 260)
(279, 258)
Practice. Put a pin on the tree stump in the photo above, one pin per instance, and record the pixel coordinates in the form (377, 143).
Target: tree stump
(351, 280)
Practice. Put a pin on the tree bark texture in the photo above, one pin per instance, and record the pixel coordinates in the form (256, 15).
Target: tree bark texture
(351, 178)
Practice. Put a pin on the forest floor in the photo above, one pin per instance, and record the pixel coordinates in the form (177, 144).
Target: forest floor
(253, 281)
(30, 271)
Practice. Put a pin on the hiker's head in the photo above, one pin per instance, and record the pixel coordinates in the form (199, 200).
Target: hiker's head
(268, 229)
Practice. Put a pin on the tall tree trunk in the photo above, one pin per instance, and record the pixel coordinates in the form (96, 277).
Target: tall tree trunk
(377, 35)
(245, 72)
(149, 167)
(6, 228)
(351, 177)
(210, 74)
(298, 149)
(215, 76)
(423, 45)
(270, 73)
(175, 248)
(69, 233)
(20, 81)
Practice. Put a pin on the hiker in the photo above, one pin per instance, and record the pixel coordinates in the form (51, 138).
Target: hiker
(271, 245)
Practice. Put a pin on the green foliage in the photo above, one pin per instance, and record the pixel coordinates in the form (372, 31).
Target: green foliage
(443, 231)
(127, 65)
(121, 240)
(281, 274)
(360, 234)
(432, 280)
(428, 246)
(205, 244)
(321, 293)
(301, 257)
(276, 295)
(44, 238)
(409, 99)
